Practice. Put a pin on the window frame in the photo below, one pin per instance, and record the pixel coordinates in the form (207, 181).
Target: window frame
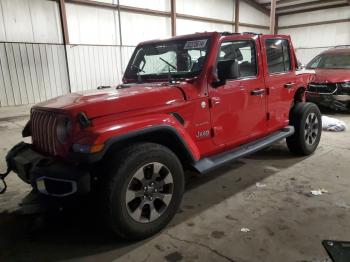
(289, 52)
(256, 76)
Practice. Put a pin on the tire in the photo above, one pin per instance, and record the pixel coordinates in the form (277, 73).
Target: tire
(306, 119)
(128, 191)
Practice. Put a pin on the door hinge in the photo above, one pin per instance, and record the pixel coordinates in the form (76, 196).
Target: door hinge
(268, 116)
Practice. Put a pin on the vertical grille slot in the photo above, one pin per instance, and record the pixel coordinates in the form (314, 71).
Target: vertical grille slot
(43, 126)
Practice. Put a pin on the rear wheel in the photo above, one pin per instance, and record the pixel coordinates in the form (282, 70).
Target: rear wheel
(306, 119)
(144, 190)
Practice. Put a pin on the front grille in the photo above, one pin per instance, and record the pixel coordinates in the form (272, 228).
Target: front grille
(43, 127)
(322, 88)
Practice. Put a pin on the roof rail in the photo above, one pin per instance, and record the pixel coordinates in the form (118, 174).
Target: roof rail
(251, 33)
(228, 33)
(243, 33)
(342, 46)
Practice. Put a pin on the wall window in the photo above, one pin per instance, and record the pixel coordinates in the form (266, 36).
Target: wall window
(244, 52)
(278, 55)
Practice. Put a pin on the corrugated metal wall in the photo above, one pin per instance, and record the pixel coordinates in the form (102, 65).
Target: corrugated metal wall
(92, 66)
(36, 66)
(311, 40)
(31, 73)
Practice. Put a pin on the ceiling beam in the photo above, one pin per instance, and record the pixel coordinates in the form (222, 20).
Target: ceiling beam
(316, 23)
(268, 4)
(305, 5)
(257, 6)
(312, 9)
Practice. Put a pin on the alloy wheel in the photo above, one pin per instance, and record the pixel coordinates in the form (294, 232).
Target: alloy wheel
(311, 129)
(149, 192)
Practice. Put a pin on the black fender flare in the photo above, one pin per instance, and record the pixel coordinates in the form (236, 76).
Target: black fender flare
(138, 134)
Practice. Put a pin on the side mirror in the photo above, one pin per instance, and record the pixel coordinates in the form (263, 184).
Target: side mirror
(300, 66)
(226, 69)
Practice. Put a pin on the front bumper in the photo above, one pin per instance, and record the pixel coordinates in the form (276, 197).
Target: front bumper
(333, 101)
(48, 175)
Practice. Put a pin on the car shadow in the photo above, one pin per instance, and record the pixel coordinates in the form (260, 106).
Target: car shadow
(76, 232)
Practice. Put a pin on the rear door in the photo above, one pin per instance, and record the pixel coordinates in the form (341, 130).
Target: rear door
(238, 108)
(280, 78)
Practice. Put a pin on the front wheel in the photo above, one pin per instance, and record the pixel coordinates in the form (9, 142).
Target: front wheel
(306, 119)
(144, 190)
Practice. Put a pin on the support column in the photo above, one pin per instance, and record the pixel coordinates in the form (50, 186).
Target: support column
(276, 25)
(273, 16)
(64, 25)
(65, 35)
(237, 16)
(173, 17)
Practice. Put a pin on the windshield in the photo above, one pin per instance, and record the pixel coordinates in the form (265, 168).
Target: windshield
(167, 60)
(331, 61)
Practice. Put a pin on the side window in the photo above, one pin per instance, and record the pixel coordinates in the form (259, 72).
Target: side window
(278, 55)
(243, 51)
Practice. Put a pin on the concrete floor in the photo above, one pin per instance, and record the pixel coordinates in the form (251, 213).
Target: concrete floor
(285, 222)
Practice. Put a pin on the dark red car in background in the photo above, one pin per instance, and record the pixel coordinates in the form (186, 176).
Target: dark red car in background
(331, 85)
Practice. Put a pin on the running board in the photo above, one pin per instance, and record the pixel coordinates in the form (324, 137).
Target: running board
(209, 163)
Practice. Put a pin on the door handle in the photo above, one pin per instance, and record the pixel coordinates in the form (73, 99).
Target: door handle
(258, 92)
(289, 85)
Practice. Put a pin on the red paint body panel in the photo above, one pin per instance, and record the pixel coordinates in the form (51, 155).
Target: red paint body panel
(332, 75)
(227, 115)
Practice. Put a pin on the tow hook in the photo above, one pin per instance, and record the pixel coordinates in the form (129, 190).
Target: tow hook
(13, 152)
(3, 185)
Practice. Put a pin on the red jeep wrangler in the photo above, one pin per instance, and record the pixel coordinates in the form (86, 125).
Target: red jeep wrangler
(190, 102)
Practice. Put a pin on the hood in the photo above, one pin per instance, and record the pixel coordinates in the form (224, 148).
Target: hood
(332, 75)
(109, 101)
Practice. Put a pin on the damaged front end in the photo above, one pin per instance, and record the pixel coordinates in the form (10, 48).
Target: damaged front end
(47, 175)
(331, 95)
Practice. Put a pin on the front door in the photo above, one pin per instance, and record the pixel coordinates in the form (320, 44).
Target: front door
(238, 108)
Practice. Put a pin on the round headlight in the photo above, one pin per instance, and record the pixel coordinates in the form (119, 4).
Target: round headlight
(64, 128)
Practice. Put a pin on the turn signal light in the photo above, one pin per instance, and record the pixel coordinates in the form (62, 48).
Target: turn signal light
(87, 148)
(96, 148)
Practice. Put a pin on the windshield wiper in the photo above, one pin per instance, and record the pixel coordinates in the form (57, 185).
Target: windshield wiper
(170, 79)
(169, 64)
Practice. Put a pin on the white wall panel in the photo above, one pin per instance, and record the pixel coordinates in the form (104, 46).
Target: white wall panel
(220, 9)
(309, 40)
(304, 55)
(126, 55)
(2, 26)
(187, 26)
(92, 25)
(17, 20)
(30, 21)
(140, 27)
(31, 73)
(46, 23)
(252, 29)
(250, 15)
(162, 5)
(93, 66)
(315, 16)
